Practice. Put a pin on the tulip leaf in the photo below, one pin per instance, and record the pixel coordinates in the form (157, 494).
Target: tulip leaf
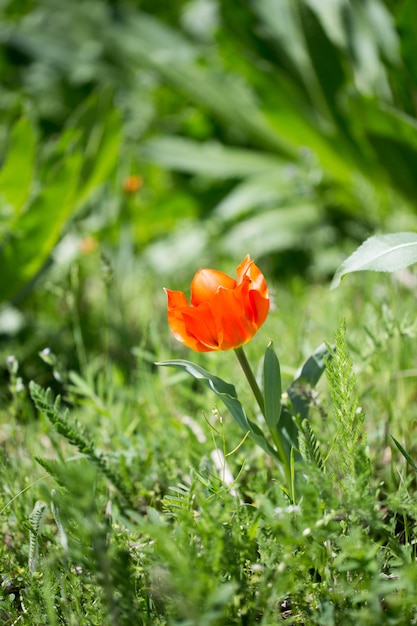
(288, 433)
(300, 396)
(258, 437)
(272, 387)
(227, 393)
(380, 253)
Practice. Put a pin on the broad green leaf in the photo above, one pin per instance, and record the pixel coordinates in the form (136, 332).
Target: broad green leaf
(406, 20)
(27, 249)
(330, 14)
(380, 253)
(381, 119)
(288, 432)
(272, 230)
(282, 21)
(17, 172)
(392, 134)
(211, 159)
(312, 369)
(101, 153)
(227, 393)
(258, 437)
(265, 190)
(272, 387)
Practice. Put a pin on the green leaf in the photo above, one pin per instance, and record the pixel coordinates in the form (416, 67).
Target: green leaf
(288, 432)
(282, 21)
(382, 120)
(381, 253)
(309, 445)
(101, 152)
(307, 376)
(267, 189)
(17, 172)
(36, 520)
(272, 387)
(405, 454)
(272, 230)
(36, 232)
(227, 393)
(211, 159)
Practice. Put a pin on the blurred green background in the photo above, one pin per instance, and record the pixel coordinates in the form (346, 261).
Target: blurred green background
(142, 140)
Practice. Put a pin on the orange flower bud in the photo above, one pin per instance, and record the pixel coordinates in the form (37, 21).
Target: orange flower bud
(224, 313)
(88, 244)
(132, 183)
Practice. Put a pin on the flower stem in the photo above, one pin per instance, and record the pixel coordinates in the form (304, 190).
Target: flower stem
(244, 363)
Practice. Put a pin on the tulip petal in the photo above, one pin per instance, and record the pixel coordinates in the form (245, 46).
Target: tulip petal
(177, 320)
(176, 299)
(179, 329)
(206, 283)
(202, 327)
(260, 307)
(233, 323)
(243, 268)
(248, 268)
(258, 280)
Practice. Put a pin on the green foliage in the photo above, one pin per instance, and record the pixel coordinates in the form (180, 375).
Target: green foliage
(280, 437)
(381, 253)
(292, 121)
(309, 446)
(17, 172)
(36, 522)
(37, 202)
(227, 393)
(75, 434)
(350, 438)
(196, 545)
(405, 454)
(272, 388)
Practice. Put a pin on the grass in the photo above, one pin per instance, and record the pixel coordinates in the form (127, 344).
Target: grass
(139, 501)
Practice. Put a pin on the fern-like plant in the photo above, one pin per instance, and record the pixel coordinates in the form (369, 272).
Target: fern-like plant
(350, 440)
(76, 435)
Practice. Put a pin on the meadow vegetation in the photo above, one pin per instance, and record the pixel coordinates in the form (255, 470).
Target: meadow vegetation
(141, 141)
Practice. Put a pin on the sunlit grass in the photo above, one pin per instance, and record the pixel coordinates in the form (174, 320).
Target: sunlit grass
(188, 545)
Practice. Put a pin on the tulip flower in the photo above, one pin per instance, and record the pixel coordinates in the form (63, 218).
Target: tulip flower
(224, 313)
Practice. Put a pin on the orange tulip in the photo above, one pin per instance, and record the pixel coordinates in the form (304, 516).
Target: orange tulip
(224, 313)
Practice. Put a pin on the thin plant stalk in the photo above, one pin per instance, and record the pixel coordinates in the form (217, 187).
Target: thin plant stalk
(247, 370)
